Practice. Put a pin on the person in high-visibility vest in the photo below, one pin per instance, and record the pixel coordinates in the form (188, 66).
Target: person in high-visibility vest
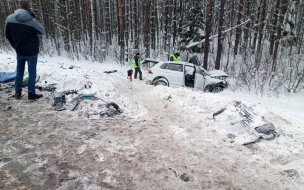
(136, 64)
(174, 57)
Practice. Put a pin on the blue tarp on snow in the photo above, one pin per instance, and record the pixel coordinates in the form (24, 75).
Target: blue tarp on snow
(7, 76)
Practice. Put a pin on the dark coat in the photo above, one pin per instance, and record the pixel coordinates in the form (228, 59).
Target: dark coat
(21, 30)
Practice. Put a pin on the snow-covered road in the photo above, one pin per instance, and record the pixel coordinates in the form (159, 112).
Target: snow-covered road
(163, 138)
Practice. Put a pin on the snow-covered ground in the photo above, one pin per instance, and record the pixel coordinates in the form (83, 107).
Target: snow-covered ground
(161, 133)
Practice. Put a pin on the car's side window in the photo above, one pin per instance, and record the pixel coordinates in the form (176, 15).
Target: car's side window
(189, 70)
(164, 66)
(151, 64)
(175, 67)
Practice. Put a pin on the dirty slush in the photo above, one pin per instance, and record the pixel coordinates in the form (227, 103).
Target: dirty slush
(41, 148)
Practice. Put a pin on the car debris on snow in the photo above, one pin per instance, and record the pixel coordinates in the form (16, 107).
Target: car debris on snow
(185, 177)
(264, 131)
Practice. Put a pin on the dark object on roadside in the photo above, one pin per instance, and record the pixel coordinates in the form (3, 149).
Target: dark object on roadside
(114, 105)
(76, 105)
(185, 177)
(231, 137)
(59, 103)
(88, 85)
(268, 132)
(71, 92)
(291, 173)
(7, 107)
(108, 72)
(62, 67)
(267, 129)
(169, 98)
(108, 112)
(130, 72)
(219, 112)
(49, 88)
(37, 79)
(34, 96)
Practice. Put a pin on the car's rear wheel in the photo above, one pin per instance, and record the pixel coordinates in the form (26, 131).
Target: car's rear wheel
(160, 82)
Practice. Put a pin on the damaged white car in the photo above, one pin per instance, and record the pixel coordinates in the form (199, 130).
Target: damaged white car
(219, 74)
(214, 73)
(183, 74)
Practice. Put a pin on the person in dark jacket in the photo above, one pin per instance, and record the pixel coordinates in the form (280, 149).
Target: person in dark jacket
(174, 57)
(21, 30)
(136, 65)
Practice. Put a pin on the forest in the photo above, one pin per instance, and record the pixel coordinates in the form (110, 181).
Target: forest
(258, 43)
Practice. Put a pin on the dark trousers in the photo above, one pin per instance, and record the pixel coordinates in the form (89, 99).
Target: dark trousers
(137, 70)
(31, 63)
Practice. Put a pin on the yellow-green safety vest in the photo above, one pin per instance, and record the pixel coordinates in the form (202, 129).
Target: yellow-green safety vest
(175, 58)
(135, 66)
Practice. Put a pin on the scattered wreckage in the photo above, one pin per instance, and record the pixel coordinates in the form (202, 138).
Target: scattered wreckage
(266, 131)
(59, 101)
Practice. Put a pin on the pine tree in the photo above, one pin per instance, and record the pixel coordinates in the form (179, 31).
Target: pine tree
(289, 23)
(193, 28)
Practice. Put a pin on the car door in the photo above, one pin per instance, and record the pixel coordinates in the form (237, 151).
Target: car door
(199, 82)
(174, 74)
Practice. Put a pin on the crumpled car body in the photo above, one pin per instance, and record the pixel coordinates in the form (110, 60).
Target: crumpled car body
(183, 74)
